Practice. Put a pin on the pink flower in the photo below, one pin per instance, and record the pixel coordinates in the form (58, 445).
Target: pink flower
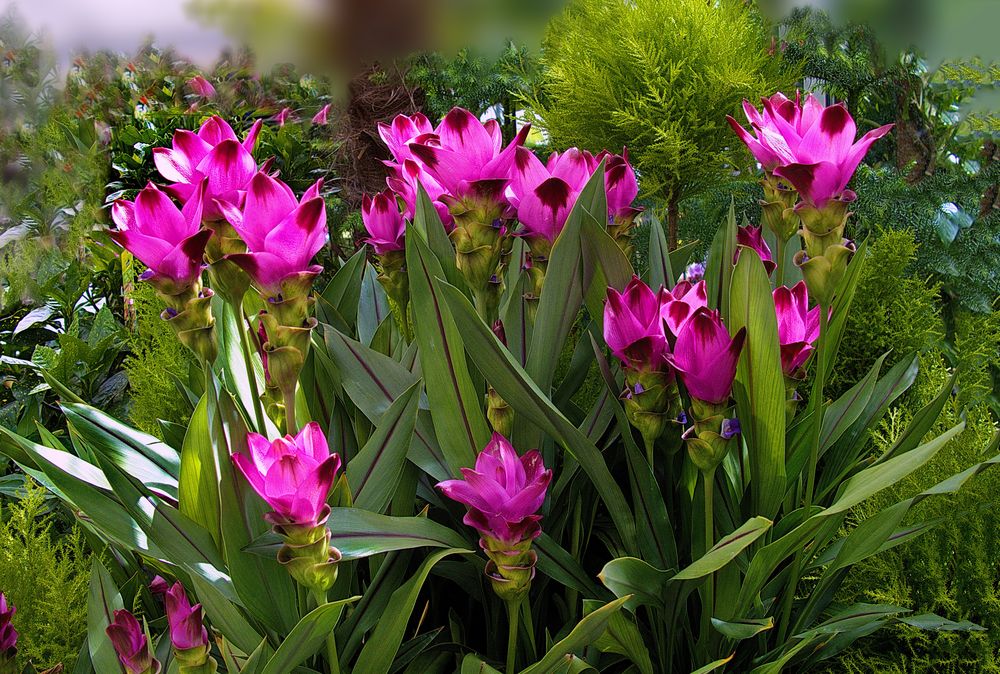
(464, 155)
(169, 241)
(811, 146)
(321, 117)
(213, 153)
(753, 238)
(293, 475)
(403, 180)
(798, 326)
(620, 183)
(202, 87)
(282, 117)
(159, 585)
(8, 635)
(131, 645)
(633, 328)
(403, 129)
(282, 235)
(545, 194)
(503, 493)
(680, 304)
(186, 628)
(383, 221)
(705, 356)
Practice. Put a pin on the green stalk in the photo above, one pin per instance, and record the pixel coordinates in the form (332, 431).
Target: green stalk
(708, 597)
(779, 272)
(291, 426)
(258, 409)
(572, 595)
(817, 404)
(513, 615)
(331, 639)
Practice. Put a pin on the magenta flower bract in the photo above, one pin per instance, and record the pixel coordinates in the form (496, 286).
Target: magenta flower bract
(131, 645)
(705, 356)
(8, 635)
(282, 235)
(214, 153)
(544, 194)
(283, 117)
(186, 628)
(466, 156)
(170, 242)
(680, 304)
(322, 117)
(633, 328)
(811, 146)
(403, 129)
(201, 87)
(798, 326)
(403, 180)
(620, 183)
(503, 493)
(159, 585)
(753, 238)
(293, 475)
(383, 221)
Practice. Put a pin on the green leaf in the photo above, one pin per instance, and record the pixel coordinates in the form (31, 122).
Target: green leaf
(472, 664)
(103, 602)
(661, 271)
(712, 666)
(226, 617)
(604, 266)
(856, 616)
(726, 549)
(585, 633)
(524, 396)
(198, 489)
(373, 306)
(922, 421)
(456, 405)
(384, 455)
(759, 387)
(636, 579)
(842, 306)
(680, 255)
(719, 267)
(623, 637)
(743, 629)
(307, 637)
(343, 293)
(935, 623)
(380, 651)
(561, 566)
(427, 222)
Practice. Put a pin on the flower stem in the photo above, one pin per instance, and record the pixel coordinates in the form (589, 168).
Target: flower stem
(779, 272)
(291, 427)
(708, 597)
(513, 615)
(331, 639)
(251, 375)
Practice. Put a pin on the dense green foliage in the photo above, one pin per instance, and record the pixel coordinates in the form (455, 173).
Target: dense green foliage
(44, 570)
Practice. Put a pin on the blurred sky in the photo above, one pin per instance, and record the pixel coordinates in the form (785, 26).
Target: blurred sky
(121, 25)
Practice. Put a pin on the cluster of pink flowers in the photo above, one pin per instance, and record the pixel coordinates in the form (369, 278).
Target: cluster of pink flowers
(8, 635)
(463, 157)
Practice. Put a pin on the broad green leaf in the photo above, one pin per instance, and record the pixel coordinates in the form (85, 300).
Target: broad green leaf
(472, 664)
(726, 549)
(456, 405)
(680, 256)
(103, 601)
(636, 579)
(380, 651)
(845, 410)
(661, 272)
(842, 306)
(198, 488)
(922, 422)
(344, 290)
(226, 617)
(515, 386)
(307, 637)
(561, 566)
(777, 666)
(585, 633)
(935, 623)
(719, 267)
(427, 222)
(374, 473)
(622, 636)
(604, 266)
(855, 616)
(373, 305)
(743, 629)
(712, 666)
(759, 387)
(373, 381)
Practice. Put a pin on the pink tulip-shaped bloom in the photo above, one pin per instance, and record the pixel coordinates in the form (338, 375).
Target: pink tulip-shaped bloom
(466, 156)
(283, 117)
(753, 238)
(680, 304)
(705, 356)
(383, 221)
(503, 493)
(202, 87)
(633, 327)
(8, 635)
(811, 146)
(322, 117)
(404, 178)
(798, 326)
(293, 475)
(186, 628)
(403, 129)
(159, 585)
(282, 235)
(168, 240)
(544, 194)
(215, 154)
(130, 643)
(620, 183)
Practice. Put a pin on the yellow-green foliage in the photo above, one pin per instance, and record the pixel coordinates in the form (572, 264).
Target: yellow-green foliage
(156, 354)
(951, 570)
(45, 574)
(658, 76)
